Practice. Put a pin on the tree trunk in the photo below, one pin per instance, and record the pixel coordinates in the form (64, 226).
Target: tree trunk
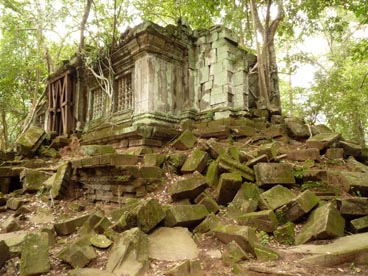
(4, 143)
(87, 9)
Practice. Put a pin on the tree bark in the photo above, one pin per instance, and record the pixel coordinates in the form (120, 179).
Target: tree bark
(4, 143)
(87, 9)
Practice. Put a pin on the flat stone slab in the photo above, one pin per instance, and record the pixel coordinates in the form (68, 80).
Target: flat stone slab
(185, 215)
(189, 187)
(89, 272)
(323, 140)
(353, 207)
(348, 249)
(172, 244)
(185, 141)
(304, 154)
(228, 186)
(269, 174)
(196, 161)
(276, 197)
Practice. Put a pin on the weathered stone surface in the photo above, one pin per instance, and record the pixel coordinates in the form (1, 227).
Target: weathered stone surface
(300, 205)
(356, 165)
(276, 197)
(89, 272)
(216, 148)
(146, 215)
(242, 131)
(47, 152)
(32, 179)
(172, 244)
(360, 224)
(189, 187)
(69, 226)
(61, 181)
(10, 225)
(233, 166)
(187, 268)
(245, 201)
(176, 160)
(196, 161)
(335, 153)
(129, 254)
(233, 253)
(78, 254)
(100, 241)
(324, 223)
(268, 174)
(285, 234)
(260, 159)
(14, 240)
(14, 203)
(4, 253)
(297, 128)
(59, 142)
(28, 143)
(351, 149)
(304, 154)
(185, 215)
(265, 254)
(35, 255)
(208, 224)
(269, 149)
(355, 183)
(208, 201)
(213, 174)
(353, 207)
(185, 141)
(323, 140)
(263, 220)
(244, 236)
(348, 249)
(218, 131)
(154, 159)
(93, 150)
(228, 186)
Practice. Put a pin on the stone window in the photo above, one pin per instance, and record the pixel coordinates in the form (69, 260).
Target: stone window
(124, 97)
(98, 103)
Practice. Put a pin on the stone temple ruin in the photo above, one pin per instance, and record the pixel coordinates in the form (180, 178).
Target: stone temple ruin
(162, 77)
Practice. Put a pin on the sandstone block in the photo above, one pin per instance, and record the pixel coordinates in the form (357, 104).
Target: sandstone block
(189, 187)
(269, 174)
(263, 220)
(196, 161)
(208, 201)
(304, 154)
(233, 166)
(28, 143)
(4, 253)
(32, 179)
(69, 226)
(353, 207)
(324, 223)
(276, 197)
(335, 153)
(285, 234)
(228, 186)
(185, 215)
(185, 141)
(297, 128)
(323, 140)
(187, 268)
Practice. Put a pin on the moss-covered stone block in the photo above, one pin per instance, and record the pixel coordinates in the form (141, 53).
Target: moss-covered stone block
(228, 164)
(244, 236)
(185, 141)
(353, 207)
(263, 220)
(213, 174)
(265, 254)
(233, 253)
(187, 268)
(4, 253)
(196, 161)
(28, 143)
(35, 255)
(185, 215)
(61, 182)
(304, 154)
(189, 187)
(269, 149)
(216, 148)
(323, 140)
(32, 180)
(69, 226)
(228, 186)
(300, 205)
(208, 224)
(78, 254)
(208, 201)
(296, 128)
(154, 159)
(359, 225)
(269, 174)
(276, 197)
(324, 223)
(285, 234)
(93, 150)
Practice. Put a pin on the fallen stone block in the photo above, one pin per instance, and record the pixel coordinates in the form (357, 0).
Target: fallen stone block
(228, 186)
(233, 253)
(196, 161)
(353, 207)
(129, 254)
(244, 236)
(304, 154)
(4, 253)
(208, 224)
(100, 241)
(89, 272)
(335, 153)
(359, 225)
(270, 150)
(32, 179)
(185, 215)
(263, 220)
(14, 203)
(185, 141)
(323, 141)
(78, 254)
(270, 174)
(47, 152)
(154, 159)
(213, 174)
(10, 225)
(61, 182)
(93, 150)
(299, 206)
(245, 201)
(59, 142)
(265, 254)
(324, 223)
(28, 143)
(285, 234)
(187, 268)
(344, 250)
(215, 148)
(35, 255)
(233, 166)
(176, 160)
(275, 197)
(189, 187)
(356, 165)
(351, 149)
(14, 241)
(213, 131)
(69, 226)
(254, 161)
(242, 131)
(296, 128)
(354, 182)
(172, 244)
(208, 201)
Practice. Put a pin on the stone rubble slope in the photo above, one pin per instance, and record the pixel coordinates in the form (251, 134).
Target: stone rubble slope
(222, 196)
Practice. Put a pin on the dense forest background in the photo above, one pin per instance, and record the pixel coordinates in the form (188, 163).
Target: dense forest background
(327, 39)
